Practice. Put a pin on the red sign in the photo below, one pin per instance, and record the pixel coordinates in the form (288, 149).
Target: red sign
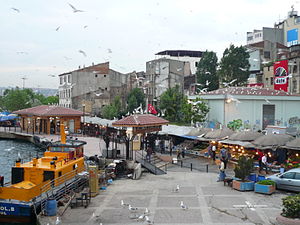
(281, 75)
(151, 109)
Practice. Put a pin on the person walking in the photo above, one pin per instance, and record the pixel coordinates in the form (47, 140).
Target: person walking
(183, 152)
(149, 153)
(222, 174)
(224, 156)
(213, 151)
(264, 162)
(260, 155)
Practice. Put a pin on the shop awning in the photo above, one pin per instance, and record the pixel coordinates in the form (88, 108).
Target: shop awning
(245, 144)
(189, 137)
(294, 144)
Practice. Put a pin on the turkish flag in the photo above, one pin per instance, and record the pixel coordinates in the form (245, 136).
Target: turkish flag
(151, 109)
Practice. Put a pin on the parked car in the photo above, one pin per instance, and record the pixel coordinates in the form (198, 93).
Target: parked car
(289, 180)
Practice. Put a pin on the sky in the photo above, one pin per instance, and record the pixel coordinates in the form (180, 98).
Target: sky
(41, 39)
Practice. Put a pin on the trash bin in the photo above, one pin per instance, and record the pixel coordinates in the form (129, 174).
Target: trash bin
(51, 207)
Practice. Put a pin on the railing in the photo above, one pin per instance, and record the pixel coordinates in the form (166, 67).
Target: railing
(149, 164)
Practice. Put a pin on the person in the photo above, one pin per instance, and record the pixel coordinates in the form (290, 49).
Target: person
(149, 152)
(222, 174)
(264, 162)
(183, 152)
(213, 151)
(260, 155)
(178, 152)
(224, 156)
(209, 151)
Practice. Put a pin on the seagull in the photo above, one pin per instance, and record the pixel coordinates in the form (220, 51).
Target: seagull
(82, 52)
(141, 217)
(57, 220)
(51, 75)
(74, 9)
(202, 91)
(109, 50)
(207, 82)
(227, 84)
(268, 101)
(183, 206)
(124, 204)
(85, 26)
(179, 69)
(207, 72)
(132, 208)
(147, 219)
(22, 53)
(147, 212)
(98, 94)
(57, 28)
(242, 69)
(15, 9)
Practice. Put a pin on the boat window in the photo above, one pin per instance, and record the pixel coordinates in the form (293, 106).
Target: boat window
(48, 175)
(17, 175)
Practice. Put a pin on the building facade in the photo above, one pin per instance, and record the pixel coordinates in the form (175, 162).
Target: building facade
(256, 107)
(91, 88)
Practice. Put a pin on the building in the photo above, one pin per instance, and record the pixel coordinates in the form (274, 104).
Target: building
(162, 74)
(193, 57)
(274, 35)
(46, 119)
(91, 88)
(256, 107)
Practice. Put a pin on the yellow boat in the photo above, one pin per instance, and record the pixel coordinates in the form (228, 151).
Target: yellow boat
(31, 182)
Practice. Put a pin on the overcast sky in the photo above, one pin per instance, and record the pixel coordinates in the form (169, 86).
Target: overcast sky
(44, 38)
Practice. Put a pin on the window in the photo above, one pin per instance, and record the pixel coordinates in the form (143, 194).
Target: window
(288, 175)
(272, 80)
(295, 69)
(59, 173)
(267, 54)
(48, 175)
(65, 78)
(61, 80)
(196, 64)
(69, 79)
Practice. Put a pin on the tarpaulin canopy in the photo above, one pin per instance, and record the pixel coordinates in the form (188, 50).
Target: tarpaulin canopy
(294, 144)
(217, 134)
(271, 141)
(245, 136)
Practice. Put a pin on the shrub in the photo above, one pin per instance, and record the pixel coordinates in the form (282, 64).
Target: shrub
(243, 168)
(266, 182)
(291, 206)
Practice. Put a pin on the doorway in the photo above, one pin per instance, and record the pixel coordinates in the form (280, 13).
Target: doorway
(268, 115)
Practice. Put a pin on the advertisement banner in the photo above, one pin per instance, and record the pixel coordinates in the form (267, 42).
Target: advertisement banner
(281, 75)
(292, 37)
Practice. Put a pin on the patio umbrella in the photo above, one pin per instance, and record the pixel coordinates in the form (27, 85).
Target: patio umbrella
(294, 144)
(5, 118)
(198, 131)
(218, 134)
(271, 141)
(245, 136)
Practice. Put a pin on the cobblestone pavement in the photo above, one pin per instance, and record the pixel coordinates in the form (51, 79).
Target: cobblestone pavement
(208, 201)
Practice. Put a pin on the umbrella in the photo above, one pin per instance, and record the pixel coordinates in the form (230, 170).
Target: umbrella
(245, 136)
(198, 131)
(218, 134)
(294, 144)
(272, 140)
(5, 118)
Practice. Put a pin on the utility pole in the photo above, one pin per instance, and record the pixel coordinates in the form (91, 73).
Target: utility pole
(24, 78)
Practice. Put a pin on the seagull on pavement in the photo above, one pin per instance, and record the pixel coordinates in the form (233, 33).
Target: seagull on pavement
(132, 208)
(147, 212)
(82, 52)
(183, 206)
(57, 220)
(16, 10)
(124, 204)
(74, 9)
(148, 221)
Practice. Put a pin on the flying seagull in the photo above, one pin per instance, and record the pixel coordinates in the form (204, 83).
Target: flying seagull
(268, 101)
(57, 28)
(207, 72)
(109, 50)
(85, 26)
(207, 82)
(74, 9)
(227, 84)
(16, 10)
(51, 75)
(82, 52)
(98, 94)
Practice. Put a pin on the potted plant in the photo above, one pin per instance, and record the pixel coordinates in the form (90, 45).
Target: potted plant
(291, 210)
(265, 187)
(242, 170)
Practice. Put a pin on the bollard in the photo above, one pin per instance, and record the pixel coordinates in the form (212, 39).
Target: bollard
(206, 168)
(191, 166)
(181, 163)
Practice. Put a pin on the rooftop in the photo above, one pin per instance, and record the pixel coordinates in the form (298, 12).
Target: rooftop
(101, 68)
(140, 120)
(49, 110)
(178, 53)
(257, 91)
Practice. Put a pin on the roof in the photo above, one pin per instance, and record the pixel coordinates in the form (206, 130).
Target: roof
(101, 68)
(177, 53)
(49, 110)
(261, 45)
(140, 120)
(257, 91)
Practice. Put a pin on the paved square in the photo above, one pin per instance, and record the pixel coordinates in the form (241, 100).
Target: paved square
(178, 216)
(174, 202)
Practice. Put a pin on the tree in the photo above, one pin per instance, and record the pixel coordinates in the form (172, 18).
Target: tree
(195, 111)
(207, 71)
(134, 99)
(15, 99)
(234, 65)
(171, 102)
(113, 110)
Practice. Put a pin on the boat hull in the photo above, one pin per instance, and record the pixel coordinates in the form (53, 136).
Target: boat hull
(17, 213)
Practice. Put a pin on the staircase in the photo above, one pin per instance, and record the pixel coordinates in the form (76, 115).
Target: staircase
(155, 165)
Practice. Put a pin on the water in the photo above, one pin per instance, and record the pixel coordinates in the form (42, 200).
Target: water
(10, 150)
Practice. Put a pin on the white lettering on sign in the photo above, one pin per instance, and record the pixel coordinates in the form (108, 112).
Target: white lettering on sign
(7, 209)
(280, 80)
(290, 43)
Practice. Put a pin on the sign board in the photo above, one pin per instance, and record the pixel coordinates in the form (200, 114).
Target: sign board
(292, 37)
(281, 75)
